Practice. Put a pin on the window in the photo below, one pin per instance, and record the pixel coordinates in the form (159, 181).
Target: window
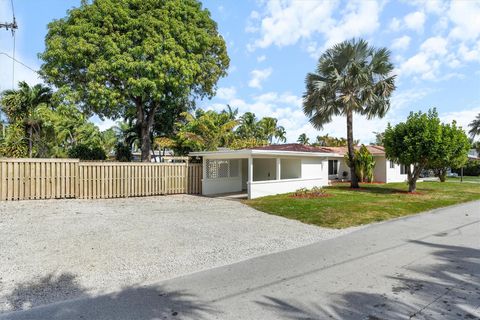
(217, 168)
(332, 167)
(403, 169)
(392, 164)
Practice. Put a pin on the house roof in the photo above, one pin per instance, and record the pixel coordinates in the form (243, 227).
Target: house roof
(289, 149)
(294, 147)
(375, 150)
(297, 147)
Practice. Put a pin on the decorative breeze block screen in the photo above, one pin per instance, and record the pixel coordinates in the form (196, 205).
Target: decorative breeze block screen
(217, 168)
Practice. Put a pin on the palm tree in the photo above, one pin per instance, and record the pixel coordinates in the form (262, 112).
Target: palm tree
(280, 134)
(268, 128)
(351, 77)
(248, 125)
(475, 127)
(303, 139)
(232, 113)
(21, 105)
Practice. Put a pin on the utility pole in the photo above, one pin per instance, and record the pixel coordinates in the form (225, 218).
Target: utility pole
(10, 25)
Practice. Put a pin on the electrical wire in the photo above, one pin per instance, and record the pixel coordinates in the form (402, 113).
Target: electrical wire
(18, 61)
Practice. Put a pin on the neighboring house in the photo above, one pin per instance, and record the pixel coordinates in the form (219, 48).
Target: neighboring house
(473, 154)
(282, 168)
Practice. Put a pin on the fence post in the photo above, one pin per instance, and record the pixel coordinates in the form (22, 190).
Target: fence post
(187, 169)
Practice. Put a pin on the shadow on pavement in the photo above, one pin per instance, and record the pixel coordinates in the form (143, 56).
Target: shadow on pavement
(448, 289)
(61, 297)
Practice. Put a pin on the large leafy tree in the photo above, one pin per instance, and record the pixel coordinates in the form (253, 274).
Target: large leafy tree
(351, 77)
(248, 127)
(21, 108)
(453, 150)
(475, 127)
(414, 143)
(134, 56)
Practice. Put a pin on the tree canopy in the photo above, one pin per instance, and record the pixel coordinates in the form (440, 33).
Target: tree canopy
(351, 77)
(424, 142)
(134, 57)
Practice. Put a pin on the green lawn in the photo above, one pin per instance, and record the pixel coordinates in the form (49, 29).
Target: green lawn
(465, 178)
(377, 202)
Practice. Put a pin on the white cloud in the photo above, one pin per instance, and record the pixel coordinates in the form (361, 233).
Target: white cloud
(287, 22)
(226, 93)
(435, 46)
(258, 76)
(465, 16)
(415, 20)
(401, 43)
(395, 24)
(463, 117)
(261, 58)
(427, 63)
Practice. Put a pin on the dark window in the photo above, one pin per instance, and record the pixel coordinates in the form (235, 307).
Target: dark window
(403, 169)
(332, 167)
(392, 165)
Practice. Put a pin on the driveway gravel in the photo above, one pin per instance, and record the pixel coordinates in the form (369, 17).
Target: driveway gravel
(55, 250)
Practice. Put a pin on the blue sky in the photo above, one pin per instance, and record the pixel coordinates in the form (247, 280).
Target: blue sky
(273, 44)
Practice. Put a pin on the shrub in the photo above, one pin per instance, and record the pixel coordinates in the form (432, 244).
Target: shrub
(84, 152)
(123, 153)
(472, 168)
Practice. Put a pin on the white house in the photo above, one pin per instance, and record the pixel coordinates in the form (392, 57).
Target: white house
(385, 170)
(282, 168)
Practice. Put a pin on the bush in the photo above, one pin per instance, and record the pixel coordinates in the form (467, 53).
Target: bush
(84, 152)
(312, 193)
(123, 153)
(472, 168)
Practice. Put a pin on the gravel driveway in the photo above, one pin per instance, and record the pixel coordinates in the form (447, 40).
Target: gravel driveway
(63, 249)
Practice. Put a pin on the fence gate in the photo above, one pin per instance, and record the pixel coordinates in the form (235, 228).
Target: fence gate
(29, 179)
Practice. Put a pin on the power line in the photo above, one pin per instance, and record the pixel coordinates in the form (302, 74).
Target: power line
(18, 61)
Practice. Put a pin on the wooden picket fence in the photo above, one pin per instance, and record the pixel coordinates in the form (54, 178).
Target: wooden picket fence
(29, 179)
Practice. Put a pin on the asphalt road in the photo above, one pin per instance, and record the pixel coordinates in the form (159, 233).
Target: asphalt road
(421, 267)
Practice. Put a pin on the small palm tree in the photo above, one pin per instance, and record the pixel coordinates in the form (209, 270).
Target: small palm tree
(248, 125)
(281, 134)
(303, 139)
(475, 127)
(268, 127)
(21, 105)
(352, 77)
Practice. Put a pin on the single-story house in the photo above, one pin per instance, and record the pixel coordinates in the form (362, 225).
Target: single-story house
(282, 168)
(385, 170)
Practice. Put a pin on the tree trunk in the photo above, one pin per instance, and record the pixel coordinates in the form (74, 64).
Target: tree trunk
(351, 150)
(145, 121)
(442, 174)
(413, 176)
(30, 144)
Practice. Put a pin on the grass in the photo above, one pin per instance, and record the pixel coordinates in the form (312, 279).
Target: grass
(465, 178)
(371, 203)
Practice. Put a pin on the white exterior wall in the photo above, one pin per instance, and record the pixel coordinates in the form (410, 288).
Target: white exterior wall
(314, 168)
(380, 171)
(268, 188)
(221, 185)
(290, 168)
(393, 174)
(264, 169)
(314, 173)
